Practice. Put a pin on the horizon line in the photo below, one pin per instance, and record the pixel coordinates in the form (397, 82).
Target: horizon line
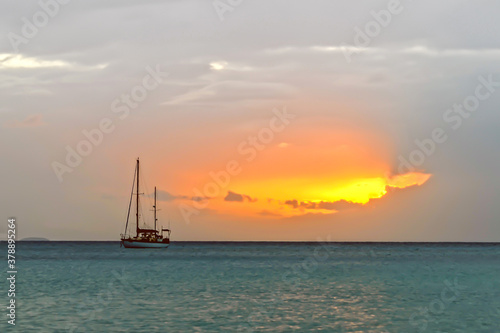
(273, 241)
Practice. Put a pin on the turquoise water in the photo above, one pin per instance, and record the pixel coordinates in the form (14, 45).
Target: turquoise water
(256, 287)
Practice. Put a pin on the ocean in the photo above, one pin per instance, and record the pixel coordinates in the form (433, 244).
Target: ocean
(255, 287)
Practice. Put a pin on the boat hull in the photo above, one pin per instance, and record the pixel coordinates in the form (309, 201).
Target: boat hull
(144, 245)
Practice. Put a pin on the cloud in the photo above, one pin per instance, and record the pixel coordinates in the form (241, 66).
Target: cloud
(430, 52)
(342, 205)
(167, 196)
(337, 205)
(233, 90)
(408, 179)
(8, 60)
(218, 65)
(16, 61)
(235, 197)
(326, 205)
(416, 49)
(34, 120)
(223, 65)
(293, 203)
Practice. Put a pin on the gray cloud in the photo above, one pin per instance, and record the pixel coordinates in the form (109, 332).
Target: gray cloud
(235, 197)
(167, 196)
(334, 205)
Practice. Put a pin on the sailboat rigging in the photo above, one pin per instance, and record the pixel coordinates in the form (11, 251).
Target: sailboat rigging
(144, 237)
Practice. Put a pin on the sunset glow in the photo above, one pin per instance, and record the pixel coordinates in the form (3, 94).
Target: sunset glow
(310, 195)
(325, 172)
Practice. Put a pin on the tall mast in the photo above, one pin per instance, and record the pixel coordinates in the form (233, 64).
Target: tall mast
(154, 207)
(137, 201)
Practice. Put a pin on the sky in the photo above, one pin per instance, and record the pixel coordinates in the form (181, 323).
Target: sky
(256, 120)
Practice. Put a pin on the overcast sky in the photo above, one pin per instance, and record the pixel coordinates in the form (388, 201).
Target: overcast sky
(369, 77)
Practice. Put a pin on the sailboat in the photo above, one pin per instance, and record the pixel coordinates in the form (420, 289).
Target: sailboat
(144, 237)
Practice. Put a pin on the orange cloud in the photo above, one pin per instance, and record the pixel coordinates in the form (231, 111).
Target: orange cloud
(408, 179)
